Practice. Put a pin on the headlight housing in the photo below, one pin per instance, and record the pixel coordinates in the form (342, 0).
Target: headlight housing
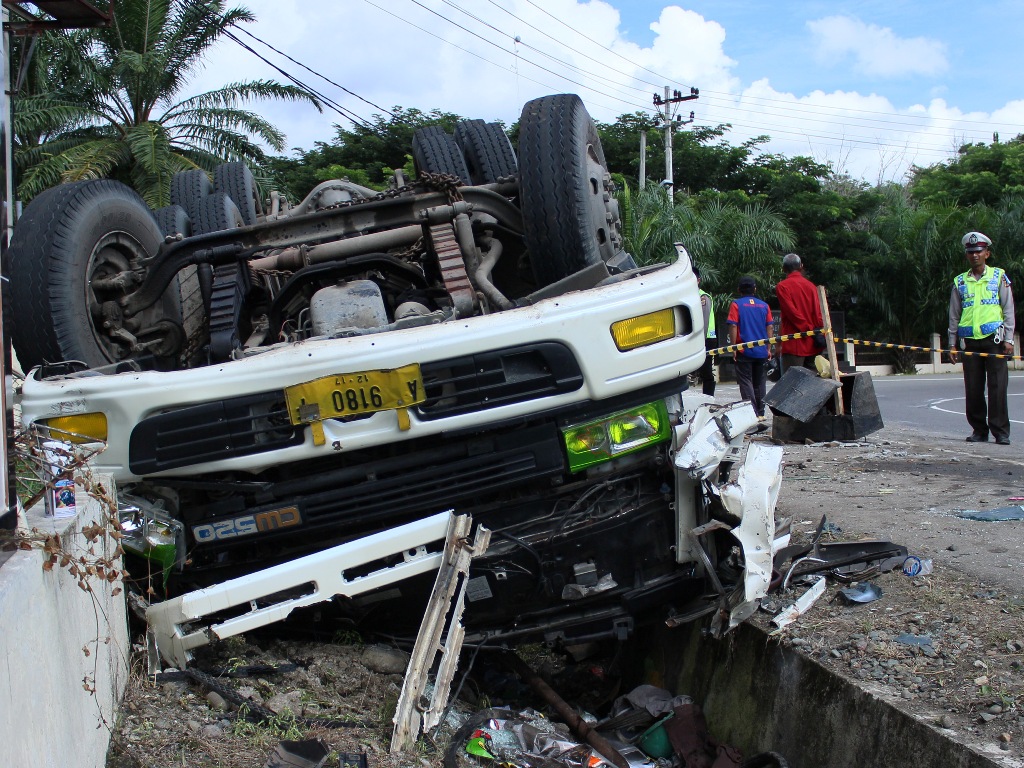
(644, 330)
(80, 428)
(624, 432)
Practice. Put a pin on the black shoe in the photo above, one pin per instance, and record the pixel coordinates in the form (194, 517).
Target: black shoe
(977, 437)
(1002, 440)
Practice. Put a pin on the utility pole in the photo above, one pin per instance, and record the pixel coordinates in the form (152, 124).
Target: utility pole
(643, 159)
(668, 114)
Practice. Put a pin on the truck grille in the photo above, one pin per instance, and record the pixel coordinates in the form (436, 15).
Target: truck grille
(238, 426)
(243, 426)
(500, 377)
(358, 497)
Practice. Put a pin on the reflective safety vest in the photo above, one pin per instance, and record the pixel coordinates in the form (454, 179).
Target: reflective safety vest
(981, 313)
(711, 316)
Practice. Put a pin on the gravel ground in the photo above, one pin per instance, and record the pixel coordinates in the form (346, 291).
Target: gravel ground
(947, 647)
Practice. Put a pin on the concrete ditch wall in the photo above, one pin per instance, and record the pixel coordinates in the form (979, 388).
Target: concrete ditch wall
(760, 696)
(47, 718)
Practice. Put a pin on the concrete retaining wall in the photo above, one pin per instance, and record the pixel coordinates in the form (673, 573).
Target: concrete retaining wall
(760, 696)
(47, 718)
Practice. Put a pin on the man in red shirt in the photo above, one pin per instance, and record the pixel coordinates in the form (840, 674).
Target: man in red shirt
(801, 311)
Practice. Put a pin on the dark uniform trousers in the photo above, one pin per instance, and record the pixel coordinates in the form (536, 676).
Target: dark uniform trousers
(994, 416)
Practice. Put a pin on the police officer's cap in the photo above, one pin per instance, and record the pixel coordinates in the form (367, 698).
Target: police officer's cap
(975, 241)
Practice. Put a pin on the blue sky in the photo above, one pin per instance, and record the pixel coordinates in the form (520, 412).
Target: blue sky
(872, 87)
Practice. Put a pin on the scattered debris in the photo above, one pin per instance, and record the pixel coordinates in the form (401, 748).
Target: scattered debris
(993, 515)
(864, 592)
(921, 641)
(311, 753)
(805, 601)
(915, 566)
(844, 560)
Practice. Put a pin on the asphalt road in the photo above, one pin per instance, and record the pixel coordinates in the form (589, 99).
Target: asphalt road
(931, 404)
(934, 403)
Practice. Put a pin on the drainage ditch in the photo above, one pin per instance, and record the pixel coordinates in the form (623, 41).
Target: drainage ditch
(761, 696)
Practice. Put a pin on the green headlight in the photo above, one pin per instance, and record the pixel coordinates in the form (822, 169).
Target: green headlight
(621, 433)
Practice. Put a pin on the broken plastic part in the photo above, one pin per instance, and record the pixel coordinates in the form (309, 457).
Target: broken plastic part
(326, 570)
(800, 607)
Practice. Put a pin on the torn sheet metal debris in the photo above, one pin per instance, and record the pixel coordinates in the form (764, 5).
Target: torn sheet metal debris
(865, 592)
(802, 604)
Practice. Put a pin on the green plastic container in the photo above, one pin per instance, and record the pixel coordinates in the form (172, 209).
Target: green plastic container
(654, 741)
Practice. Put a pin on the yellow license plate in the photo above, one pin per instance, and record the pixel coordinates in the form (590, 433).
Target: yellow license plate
(354, 394)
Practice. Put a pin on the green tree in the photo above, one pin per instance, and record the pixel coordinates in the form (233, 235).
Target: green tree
(826, 213)
(95, 110)
(981, 173)
(905, 282)
(724, 239)
(368, 152)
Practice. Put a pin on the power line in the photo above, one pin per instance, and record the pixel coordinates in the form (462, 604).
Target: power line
(546, 86)
(321, 76)
(343, 111)
(528, 61)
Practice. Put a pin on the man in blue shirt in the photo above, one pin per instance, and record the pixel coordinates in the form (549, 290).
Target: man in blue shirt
(750, 319)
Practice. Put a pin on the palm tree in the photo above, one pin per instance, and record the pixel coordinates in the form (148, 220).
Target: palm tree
(105, 104)
(725, 240)
(907, 281)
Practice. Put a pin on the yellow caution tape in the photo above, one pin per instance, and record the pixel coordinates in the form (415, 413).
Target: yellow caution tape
(861, 342)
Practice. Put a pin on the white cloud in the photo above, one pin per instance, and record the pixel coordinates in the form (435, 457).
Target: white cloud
(876, 51)
(389, 62)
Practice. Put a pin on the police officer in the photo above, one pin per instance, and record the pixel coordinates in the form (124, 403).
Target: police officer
(981, 319)
(707, 371)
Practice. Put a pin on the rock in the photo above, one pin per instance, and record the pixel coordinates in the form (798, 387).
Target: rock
(946, 721)
(250, 693)
(213, 731)
(194, 726)
(387, 661)
(1005, 738)
(979, 681)
(985, 717)
(217, 702)
(291, 701)
(995, 709)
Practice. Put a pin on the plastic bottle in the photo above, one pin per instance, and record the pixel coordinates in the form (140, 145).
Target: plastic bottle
(915, 566)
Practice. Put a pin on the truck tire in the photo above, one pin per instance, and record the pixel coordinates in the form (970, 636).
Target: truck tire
(173, 220)
(217, 212)
(236, 181)
(435, 151)
(188, 188)
(570, 216)
(488, 152)
(65, 241)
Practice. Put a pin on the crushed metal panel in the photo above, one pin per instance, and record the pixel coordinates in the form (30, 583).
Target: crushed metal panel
(752, 498)
(719, 434)
(324, 571)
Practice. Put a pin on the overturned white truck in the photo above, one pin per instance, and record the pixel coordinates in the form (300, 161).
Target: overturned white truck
(274, 380)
